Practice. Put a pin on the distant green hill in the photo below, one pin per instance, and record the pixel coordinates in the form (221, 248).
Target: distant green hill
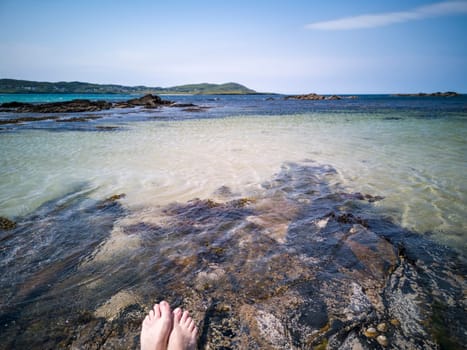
(13, 86)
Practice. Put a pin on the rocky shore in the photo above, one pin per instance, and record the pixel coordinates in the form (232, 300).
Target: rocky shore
(316, 97)
(82, 105)
(298, 266)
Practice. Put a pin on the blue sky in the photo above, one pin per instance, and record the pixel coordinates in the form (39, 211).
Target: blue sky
(278, 46)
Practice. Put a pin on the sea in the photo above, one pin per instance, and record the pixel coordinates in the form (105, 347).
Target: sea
(405, 157)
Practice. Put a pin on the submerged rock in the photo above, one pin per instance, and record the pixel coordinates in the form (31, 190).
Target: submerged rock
(195, 109)
(6, 224)
(290, 268)
(382, 340)
(382, 327)
(26, 120)
(370, 332)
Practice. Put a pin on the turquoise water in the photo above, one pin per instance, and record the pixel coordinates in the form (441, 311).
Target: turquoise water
(41, 98)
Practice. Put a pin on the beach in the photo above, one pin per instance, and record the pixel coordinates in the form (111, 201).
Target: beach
(280, 223)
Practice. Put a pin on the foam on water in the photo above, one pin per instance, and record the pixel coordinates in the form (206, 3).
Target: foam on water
(417, 164)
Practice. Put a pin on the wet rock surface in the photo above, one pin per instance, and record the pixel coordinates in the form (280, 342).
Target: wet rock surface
(299, 265)
(57, 107)
(80, 105)
(76, 106)
(87, 115)
(6, 224)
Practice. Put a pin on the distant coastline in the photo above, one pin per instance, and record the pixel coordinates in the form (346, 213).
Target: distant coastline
(14, 86)
(433, 94)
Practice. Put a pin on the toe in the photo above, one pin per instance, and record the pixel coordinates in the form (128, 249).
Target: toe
(157, 311)
(165, 309)
(191, 326)
(146, 319)
(177, 315)
(184, 317)
(151, 315)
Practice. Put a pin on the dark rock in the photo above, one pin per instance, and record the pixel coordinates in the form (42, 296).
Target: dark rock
(148, 101)
(195, 109)
(6, 224)
(313, 97)
(115, 197)
(434, 94)
(26, 120)
(106, 128)
(224, 191)
(15, 104)
(360, 196)
(59, 107)
(111, 200)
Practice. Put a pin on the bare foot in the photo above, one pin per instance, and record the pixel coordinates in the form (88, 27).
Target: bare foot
(183, 336)
(156, 327)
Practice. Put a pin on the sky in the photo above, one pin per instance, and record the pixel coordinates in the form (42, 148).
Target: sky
(292, 46)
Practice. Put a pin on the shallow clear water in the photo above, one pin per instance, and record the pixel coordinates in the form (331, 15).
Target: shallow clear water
(416, 161)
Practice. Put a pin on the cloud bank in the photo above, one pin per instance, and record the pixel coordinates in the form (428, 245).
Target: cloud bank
(383, 19)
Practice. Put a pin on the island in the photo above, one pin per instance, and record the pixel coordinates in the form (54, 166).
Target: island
(14, 86)
(433, 94)
(316, 97)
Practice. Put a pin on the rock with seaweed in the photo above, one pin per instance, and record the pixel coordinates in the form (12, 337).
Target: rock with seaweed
(6, 224)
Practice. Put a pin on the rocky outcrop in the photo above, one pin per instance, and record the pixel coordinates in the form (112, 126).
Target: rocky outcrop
(434, 94)
(147, 101)
(75, 106)
(58, 107)
(316, 97)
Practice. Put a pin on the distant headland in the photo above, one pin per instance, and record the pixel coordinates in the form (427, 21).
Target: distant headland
(14, 86)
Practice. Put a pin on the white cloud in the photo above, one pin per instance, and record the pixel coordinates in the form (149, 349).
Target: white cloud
(384, 19)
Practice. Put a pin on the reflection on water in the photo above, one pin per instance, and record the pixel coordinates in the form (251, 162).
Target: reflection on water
(299, 263)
